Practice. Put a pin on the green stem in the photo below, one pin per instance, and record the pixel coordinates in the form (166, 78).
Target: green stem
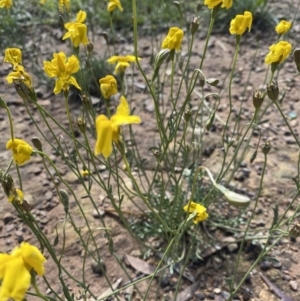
(253, 212)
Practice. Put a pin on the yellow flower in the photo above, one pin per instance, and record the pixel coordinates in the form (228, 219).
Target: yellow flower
(113, 4)
(122, 62)
(21, 150)
(108, 86)
(213, 3)
(201, 214)
(13, 56)
(7, 4)
(16, 196)
(173, 39)
(278, 52)
(108, 130)
(283, 27)
(15, 271)
(62, 68)
(84, 173)
(19, 74)
(240, 23)
(77, 31)
(64, 3)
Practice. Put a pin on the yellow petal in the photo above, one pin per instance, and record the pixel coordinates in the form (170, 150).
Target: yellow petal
(123, 107)
(16, 279)
(104, 136)
(33, 257)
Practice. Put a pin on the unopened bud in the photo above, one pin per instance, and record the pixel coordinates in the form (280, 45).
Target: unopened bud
(2, 103)
(202, 81)
(236, 199)
(210, 120)
(266, 147)
(105, 36)
(273, 91)
(64, 197)
(187, 115)
(253, 157)
(80, 122)
(295, 230)
(297, 58)
(37, 143)
(258, 99)
(90, 47)
(195, 25)
(212, 81)
(159, 59)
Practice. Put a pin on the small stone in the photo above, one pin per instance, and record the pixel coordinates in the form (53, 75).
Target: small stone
(98, 268)
(294, 285)
(98, 214)
(48, 195)
(277, 265)
(265, 265)
(217, 291)
(225, 294)
(9, 228)
(8, 217)
(200, 296)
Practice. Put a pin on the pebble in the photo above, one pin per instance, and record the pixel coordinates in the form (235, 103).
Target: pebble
(277, 265)
(294, 285)
(98, 268)
(8, 217)
(200, 296)
(98, 214)
(9, 228)
(217, 291)
(265, 265)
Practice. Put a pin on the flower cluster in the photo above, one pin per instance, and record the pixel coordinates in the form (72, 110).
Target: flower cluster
(14, 57)
(108, 130)
(113, 4)
(283, 27)
(281, 50)
(199, 211)
(77, 31)
(214, 3)
(16, 269)
(278, 52)
(173, 39)
(64, 3)
(6, 3)
(21, 150)
(62, 67)
(240, 23)
(108, 86)
(122, 62)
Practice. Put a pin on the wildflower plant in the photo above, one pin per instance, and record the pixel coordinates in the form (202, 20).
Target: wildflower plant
(100, 144)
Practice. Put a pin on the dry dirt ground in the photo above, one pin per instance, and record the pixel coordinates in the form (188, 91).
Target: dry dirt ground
(208, 276)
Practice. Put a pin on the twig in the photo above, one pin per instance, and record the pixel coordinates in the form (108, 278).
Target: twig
(275, 288)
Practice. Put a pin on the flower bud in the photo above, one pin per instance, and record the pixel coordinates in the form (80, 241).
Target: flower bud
(37, 143)
(258, 99)
(212, 81)
(295, 230)
(194, 25)
(210, 120)
(80, 122)
(273, 91)
(236, 199)
(297, 58)
(159, 59)
(266, 147)
(187, 115)
(90, 47)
